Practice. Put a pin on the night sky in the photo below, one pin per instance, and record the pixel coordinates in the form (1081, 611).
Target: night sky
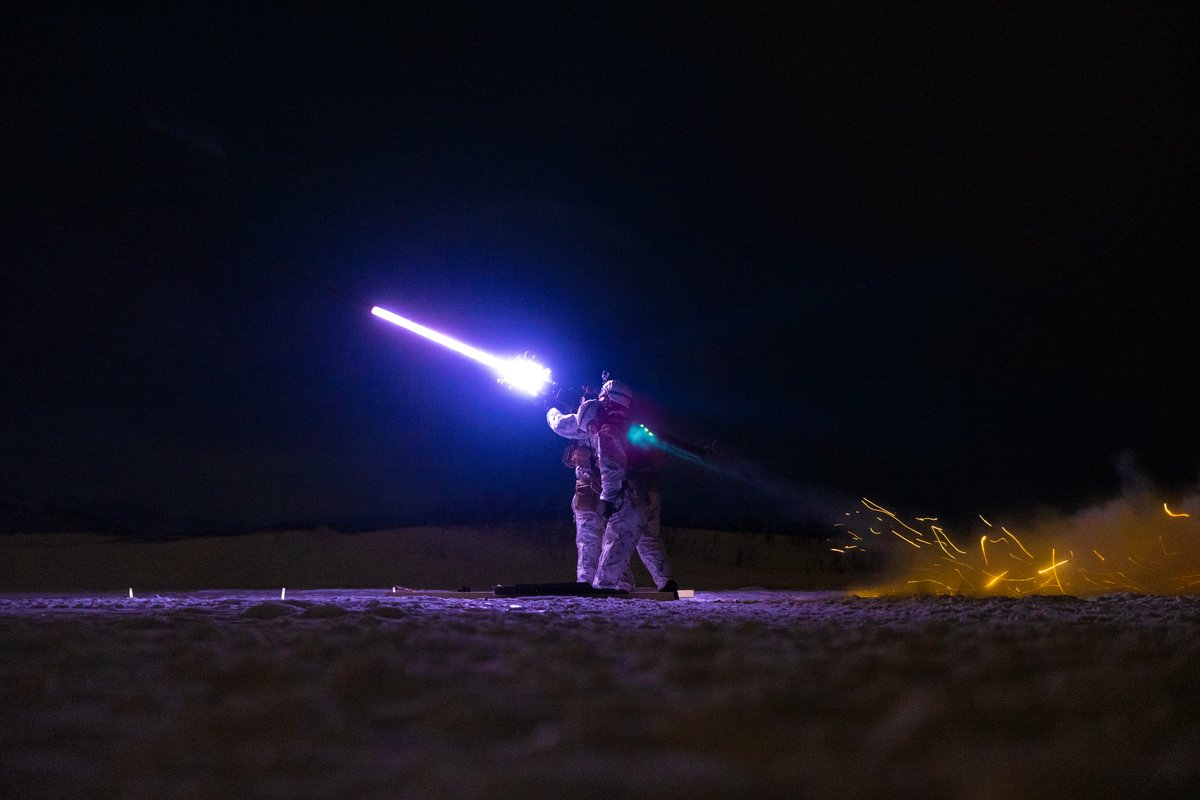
(938, 254)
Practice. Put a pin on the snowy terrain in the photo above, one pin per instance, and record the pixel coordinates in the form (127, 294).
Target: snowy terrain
(429, 557)
(365, 694)
(286, 686)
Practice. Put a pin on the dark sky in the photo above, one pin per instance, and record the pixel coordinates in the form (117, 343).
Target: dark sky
(939, 254)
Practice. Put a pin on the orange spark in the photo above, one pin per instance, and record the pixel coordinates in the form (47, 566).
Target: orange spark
(945, 586)
(1171, 513)
(1053, 569)
(942, 539)
(965, 578)
(880, 509)
(1054, 565)
(1015, 539)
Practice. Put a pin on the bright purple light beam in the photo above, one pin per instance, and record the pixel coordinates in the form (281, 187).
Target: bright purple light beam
(520, 372)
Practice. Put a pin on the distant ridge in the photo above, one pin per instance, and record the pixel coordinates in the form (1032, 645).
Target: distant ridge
(19, 517)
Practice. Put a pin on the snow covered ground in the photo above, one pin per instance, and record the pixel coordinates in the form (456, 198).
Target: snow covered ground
(428, 557)
(365, 694)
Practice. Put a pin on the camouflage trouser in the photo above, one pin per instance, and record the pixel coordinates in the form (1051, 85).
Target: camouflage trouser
(649, 540)
(589, 533)
(620, 538)
(589, 539)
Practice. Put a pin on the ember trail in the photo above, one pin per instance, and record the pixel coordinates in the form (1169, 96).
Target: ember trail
(1125, 545)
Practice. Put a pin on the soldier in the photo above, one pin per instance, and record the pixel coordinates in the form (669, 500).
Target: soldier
(618, 493)
(581, 457)
(630, 496)
(644, 486)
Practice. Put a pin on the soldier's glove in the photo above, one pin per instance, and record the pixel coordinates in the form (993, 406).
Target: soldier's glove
(607, 508)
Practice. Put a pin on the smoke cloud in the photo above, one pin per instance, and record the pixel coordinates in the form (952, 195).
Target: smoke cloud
(1142, 541)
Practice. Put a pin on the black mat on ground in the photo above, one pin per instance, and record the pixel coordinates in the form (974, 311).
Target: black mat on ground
(556, 589)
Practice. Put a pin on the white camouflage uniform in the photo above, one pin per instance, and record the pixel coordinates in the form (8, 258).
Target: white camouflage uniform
(589, 521)
(621, 530)
(646, 496)
(629, 480)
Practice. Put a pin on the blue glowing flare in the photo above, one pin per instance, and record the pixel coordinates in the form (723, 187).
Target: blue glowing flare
(525, 375)
(522, 373)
